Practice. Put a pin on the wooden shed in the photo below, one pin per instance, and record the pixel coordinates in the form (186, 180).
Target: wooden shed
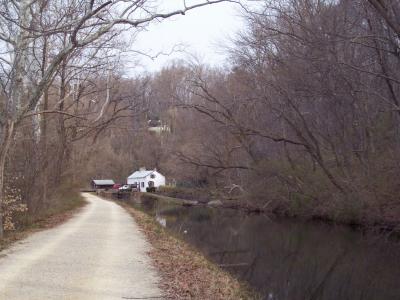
(102, 184)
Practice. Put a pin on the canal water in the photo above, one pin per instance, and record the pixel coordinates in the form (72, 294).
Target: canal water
(288, 259)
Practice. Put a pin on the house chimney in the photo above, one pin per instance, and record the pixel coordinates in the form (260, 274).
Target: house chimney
(142, 169)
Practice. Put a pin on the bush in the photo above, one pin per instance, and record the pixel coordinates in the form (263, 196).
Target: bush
(12, 205)
(199, 194)
(65, 198)
(151, 189)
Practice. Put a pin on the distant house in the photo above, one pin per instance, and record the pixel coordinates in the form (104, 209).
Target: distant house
(102, 183)
(146, 179)
(155, 125)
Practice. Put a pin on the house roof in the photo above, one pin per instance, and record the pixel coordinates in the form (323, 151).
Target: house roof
(103, 181)
(141, 174)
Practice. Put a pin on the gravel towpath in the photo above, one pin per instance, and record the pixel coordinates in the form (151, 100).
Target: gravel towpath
(98, 254)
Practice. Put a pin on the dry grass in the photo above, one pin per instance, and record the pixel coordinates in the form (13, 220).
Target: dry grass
(187, 274)
(57, 215)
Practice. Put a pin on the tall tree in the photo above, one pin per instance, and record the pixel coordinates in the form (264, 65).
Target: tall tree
(71, 25)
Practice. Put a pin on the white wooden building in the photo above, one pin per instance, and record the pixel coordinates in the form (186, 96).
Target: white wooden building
(146, 178)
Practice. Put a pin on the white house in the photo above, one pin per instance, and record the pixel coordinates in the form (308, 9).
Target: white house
(146, 178)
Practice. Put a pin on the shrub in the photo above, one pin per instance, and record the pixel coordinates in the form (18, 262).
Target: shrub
(12, 205)
(198, 194)
(151, 189)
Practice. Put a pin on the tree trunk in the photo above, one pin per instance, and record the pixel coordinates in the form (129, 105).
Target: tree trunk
(62, 143)
(17, 95)
(43, 130)
(8, 133)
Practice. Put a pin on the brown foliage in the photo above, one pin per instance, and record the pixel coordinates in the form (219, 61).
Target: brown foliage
(186, 273)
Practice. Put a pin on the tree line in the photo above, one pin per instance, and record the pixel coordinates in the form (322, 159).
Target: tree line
(57, 61)
(304, 120)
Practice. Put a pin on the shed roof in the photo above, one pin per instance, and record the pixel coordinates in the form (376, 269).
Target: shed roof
(141, 174)
(103, 181)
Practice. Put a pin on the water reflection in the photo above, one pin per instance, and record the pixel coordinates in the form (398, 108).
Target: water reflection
(284, 259)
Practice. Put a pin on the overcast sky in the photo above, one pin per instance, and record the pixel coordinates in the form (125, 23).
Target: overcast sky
(202, 31)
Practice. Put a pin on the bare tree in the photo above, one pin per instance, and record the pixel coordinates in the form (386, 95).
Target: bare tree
(311, 101)
(72, 26)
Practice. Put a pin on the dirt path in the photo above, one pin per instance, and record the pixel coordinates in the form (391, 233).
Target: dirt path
(98, 254)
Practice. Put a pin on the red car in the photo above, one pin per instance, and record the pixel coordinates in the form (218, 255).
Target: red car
(116, 186)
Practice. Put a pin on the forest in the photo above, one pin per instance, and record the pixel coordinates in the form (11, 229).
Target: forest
(304, 119)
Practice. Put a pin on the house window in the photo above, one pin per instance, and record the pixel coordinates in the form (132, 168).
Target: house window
(152, 176)
(142, 184)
